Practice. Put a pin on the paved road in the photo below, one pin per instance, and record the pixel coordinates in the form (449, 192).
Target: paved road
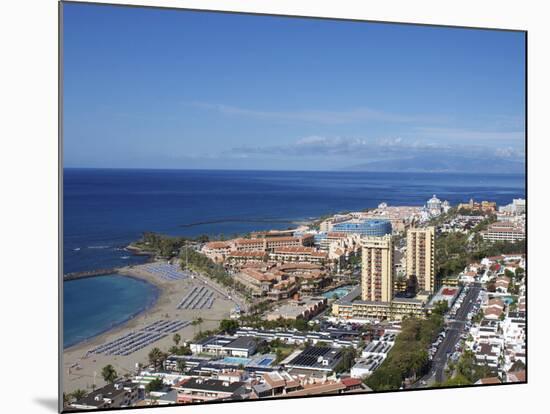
(447, 347)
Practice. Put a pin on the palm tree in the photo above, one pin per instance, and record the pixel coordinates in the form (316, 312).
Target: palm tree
(199, 322)
(181, 365)
(155, 357)
(77, 394)
(109, 374)
(177, 339)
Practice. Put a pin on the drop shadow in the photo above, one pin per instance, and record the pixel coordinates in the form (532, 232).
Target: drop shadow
(49, 403)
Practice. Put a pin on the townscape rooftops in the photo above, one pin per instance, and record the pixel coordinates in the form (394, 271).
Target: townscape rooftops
(294, 249)
(317, 357)
(337, 235)
(110, 391)
(315, 389)
(277, 379)
(239, 342)
(517, 376)
(489, 380)
(242, 342)
(496, 302)
(259, 275)
(218, 245)
(298, 266)
(210, 385)
(253, 253)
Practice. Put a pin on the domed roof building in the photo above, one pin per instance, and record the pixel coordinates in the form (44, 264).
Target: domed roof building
(434, 204)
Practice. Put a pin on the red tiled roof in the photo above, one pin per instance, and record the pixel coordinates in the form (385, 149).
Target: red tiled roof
(257, 253)
(489, 380)
(249, 241)
(517, 376)
(493, 311)
(496, 302)
(318, 389)
(260, 276)
(351, 382)
(297, 249)
(218, 245)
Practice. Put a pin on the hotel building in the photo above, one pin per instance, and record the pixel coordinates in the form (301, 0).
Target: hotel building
(364, 227)
(484, 206)
(504, 231)
(396, 309)
(377, 269)
(377, 301)
(420, 257)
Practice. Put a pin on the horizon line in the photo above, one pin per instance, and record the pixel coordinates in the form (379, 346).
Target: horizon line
(289, 170)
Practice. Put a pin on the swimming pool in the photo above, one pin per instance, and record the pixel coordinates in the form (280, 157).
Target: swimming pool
(507, 300)
(265, 362)
(236, 360)
(340, 292)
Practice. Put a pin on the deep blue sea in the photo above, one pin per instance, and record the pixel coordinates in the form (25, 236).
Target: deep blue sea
(97, 304)
(105, 209)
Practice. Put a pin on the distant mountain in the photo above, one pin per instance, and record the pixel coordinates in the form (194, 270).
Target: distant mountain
(443, 164)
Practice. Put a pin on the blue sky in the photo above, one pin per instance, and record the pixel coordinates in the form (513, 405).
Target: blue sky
(151, 88)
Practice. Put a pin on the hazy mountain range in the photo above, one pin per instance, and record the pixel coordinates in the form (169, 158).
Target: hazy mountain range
(423, 163)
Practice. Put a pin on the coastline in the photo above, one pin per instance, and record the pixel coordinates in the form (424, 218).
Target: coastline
(150, 304)
(127, 272)
(82, 370)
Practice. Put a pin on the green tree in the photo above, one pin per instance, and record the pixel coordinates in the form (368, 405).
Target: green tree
(181, 366)
(176, 338)
(109, 374)
(78, 394)
(409, 357)
(279, 356)
(156, 357)
(517, 366)
(385, 378)
(520, 273)
(469, 368)
(229, 326)
(457, 380)
(155, 385)
(441, 307)
(197, 322)
(348, 360)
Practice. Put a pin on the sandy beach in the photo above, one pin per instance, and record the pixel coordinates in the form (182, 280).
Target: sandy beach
(88, 371)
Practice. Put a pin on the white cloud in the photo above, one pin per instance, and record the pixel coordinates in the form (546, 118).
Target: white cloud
(461, 135)
(317, 146)
(346, 116)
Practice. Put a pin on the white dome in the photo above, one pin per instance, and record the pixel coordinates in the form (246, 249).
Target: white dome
(434, 199)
